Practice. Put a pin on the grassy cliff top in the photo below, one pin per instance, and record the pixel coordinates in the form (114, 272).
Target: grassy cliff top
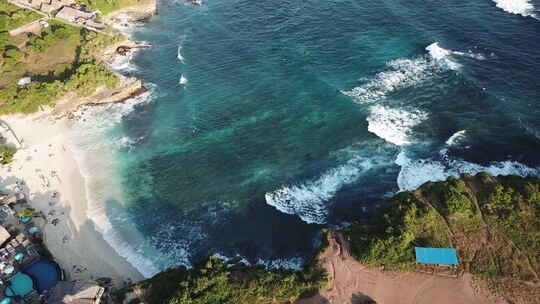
(493, 222)
(59, 60)
(12, 16)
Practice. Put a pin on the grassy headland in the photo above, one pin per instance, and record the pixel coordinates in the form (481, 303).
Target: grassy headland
(493, 222)
(59, 59)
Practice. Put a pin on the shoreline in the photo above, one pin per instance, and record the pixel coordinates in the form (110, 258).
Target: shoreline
(47, 164)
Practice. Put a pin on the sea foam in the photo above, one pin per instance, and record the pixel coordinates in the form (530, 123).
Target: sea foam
(524, 8)
(310, 200)
(394, 125)
(442, 55)
(399, 74)
(456, 138)
(404, 73)
(179, 54)
(415, 172)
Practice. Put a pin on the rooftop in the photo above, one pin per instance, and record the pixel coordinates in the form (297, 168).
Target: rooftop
(4, 235)
(442, 256)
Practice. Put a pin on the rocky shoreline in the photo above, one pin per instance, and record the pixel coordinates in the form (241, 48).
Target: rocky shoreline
(128, 87)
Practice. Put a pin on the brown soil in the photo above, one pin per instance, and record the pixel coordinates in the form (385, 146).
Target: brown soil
(44, 62)
(351, 282)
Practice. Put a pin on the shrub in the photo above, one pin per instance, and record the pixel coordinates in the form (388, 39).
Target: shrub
(6, 154)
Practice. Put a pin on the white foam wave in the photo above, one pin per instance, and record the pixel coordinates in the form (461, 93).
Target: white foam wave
(127, 142)
(122, 63)
(310, 200)
(442, 55)
(401, 73)
(456, 138)
(91, 138)
(414, 173)
(126, 24)
(470, 54)
(524, 8)
(183, 80)
(394, 125)
(179, 54)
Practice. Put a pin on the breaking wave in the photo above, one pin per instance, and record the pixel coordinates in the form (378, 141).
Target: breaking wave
(404, 73)
(416, 172)
(442, 56)
(310, 200)
(456, 138)
(401, 73)
(393, 125)
(518, 7)
(122, 63)
(179, 54)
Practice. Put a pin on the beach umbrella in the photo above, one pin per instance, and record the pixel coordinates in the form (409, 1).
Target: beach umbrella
(5, 301)
(19, 256)
(32, 230)
(9, 269)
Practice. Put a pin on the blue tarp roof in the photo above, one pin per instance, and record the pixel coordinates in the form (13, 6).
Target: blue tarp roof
(436, 255)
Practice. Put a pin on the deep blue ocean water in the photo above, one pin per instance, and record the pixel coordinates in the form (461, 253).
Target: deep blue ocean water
(298, 115)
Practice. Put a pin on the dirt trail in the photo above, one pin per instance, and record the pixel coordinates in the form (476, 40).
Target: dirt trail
(351, 282)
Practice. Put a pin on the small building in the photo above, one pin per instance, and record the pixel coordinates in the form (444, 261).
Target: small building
(72, 15)
(51, 6)
(436, 256)
(24, 81)
(4, 235)
(95, 25)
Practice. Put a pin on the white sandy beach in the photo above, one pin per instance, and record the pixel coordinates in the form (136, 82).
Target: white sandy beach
(47, 165)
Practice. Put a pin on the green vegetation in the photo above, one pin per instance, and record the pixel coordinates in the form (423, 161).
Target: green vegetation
(108, 6)
(28, 212)
(404, 223)
(493, 222)
(6, 154)
(216, 281)
(12, 16)
(60, 59)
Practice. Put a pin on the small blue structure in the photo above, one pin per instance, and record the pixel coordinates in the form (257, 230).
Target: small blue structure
(19, 285)
(444, 256)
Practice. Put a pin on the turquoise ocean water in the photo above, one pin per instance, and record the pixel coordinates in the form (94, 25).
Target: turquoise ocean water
(297, 115)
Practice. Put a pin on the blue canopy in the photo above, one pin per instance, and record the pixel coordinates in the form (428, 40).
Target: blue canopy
(446, 256)
(19, 285)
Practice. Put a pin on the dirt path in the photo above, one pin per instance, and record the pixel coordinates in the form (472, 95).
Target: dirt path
(353, 283)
